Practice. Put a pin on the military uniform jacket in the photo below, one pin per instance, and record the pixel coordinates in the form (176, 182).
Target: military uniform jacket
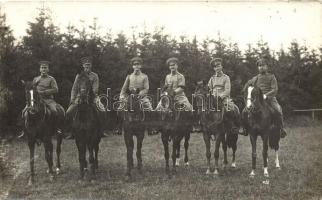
(220, 85)
(266, 82)
(93, 77)
(174, 81)
(135, 81)
(46, 84)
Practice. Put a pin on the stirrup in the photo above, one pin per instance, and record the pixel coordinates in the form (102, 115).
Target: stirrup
(283, 133)
(22, 133)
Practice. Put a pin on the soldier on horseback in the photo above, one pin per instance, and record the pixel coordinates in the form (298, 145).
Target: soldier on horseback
(219, 85)
(74, 99)
(268, 84)
(46, 88)
(176, 82)
(136, 83)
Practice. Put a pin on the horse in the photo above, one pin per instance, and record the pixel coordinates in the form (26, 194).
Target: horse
(39, 127)
(85, 127)
(133, 119)
(175, 124)
(258, 119)
(215, 122)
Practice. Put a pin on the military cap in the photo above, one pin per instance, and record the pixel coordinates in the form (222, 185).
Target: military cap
(172, 59)
(43, 62)
(261, 61)
(86, 60)
(136, 59)
(215, 60)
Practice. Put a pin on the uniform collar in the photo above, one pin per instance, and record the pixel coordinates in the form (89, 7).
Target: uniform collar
(219, 74)
(176, 73)
(137, 73)
(44, 76)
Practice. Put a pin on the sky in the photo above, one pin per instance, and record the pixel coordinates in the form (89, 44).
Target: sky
(277, 22)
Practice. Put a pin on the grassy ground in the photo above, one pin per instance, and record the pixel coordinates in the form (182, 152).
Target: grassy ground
(300, 176)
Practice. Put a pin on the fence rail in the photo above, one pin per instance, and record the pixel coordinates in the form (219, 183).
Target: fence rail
(313, 110)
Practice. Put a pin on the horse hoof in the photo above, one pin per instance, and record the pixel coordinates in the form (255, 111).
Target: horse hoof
(216, 172)
(57, 171)
(177, 162)
(30, 182)
(208, 172)
(187, 164)
(233, 165)
(266, 182)
(51, 178)
(47, 171)
(252, 174)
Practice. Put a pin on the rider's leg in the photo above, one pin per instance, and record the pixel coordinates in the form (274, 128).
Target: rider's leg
(69, 116)
(279, 114)
(235, 113)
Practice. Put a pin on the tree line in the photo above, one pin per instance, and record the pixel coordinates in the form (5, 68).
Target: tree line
(297, 69)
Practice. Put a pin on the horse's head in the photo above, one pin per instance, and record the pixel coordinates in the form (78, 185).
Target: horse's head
(201, 94)
(167, 97)
(32, 97)
(254, 98)
(85, 89)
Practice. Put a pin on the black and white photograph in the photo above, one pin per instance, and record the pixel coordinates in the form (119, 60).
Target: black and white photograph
(141, 99)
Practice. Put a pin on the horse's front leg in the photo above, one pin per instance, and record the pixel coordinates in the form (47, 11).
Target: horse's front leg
(253, 139)
(186, 147)
(206, 138)
(31, 145)
(81, 157)
(175, 148)
(264, 153)
(91, 160)
(58, 151)
(48, 145)
(139, 138)
(224, 148)
(128, 138)
(216, 154)
(165, 141)
(177, 153)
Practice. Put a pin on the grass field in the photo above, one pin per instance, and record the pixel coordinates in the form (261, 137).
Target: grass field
(300, 176)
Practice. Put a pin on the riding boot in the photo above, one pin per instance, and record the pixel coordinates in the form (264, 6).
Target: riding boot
(280, 125)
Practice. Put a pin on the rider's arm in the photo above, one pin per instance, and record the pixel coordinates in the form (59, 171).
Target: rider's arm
(274, 87)
(74, 90)
(227, 88)
(53, 89)
(181, 85)
(95, 85)
(145, 89)
(125, 87)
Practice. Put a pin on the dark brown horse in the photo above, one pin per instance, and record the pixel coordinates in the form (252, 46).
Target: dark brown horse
(174, 124)
(40, 127)
(133, 121)
(85, 127)
(215, 122)
(258, 119)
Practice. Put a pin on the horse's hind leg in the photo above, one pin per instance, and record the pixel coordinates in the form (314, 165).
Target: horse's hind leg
(58, 151)
(186, 147)
(139, 138)
(31, 145)
(175, 146)
(96, 149)
(49, 156)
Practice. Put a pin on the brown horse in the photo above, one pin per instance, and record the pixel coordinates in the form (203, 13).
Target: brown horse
(133, 121)
(258, 119)
(39, 127)
(215, 122)
(85, 127)
(174, 124)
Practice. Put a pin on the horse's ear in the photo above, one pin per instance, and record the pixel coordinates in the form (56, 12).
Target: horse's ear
(23, 82)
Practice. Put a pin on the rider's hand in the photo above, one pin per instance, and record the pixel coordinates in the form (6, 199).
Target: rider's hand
(264, 96)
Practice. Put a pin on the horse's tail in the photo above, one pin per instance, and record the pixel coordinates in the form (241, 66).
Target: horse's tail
(274, 138)
(232, 140)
